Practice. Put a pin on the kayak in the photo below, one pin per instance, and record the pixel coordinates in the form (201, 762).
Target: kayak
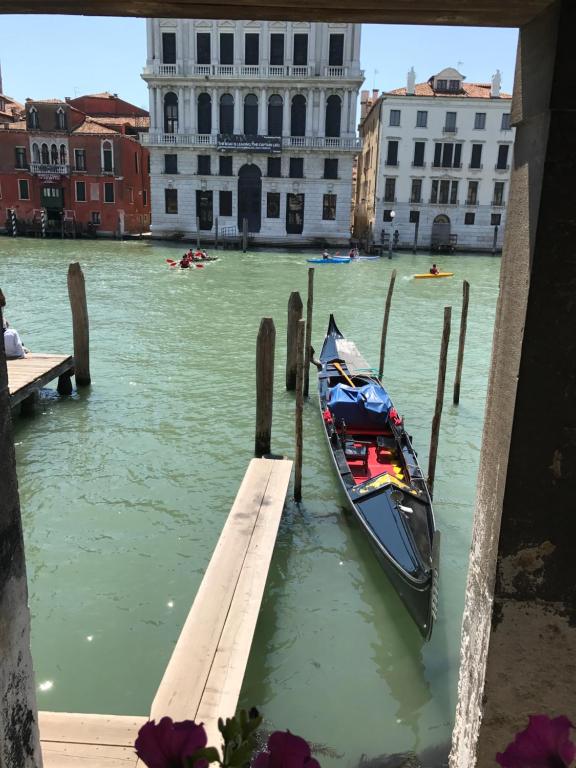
(331, 260)
(438, 274)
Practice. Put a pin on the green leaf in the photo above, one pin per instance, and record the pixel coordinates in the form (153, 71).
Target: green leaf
(242, 754)
(207, 753)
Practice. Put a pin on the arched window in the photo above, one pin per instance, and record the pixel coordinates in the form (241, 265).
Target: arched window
(107, 158)
(35, 153)
(251, 115)
(226, 113)
(60, 119)
(170, 113)
(298, 116)
(54, 154)
(45, 154)
(333, 116)
(33, 118)
(275, 108)
(62, 154)
(204, 113)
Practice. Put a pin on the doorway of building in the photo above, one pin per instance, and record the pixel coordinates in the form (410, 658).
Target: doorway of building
(294, 214)
(440, 239)
(250, 197)
(204, 209)
(52, 198)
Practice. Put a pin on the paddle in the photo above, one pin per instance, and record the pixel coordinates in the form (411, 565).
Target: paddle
(343, 372)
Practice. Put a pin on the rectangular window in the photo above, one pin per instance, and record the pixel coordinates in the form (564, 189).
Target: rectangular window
(204, 165)
(276, 50)
(502, 162)
(274, 167)
(296, 167)
(441, 85)
(329, 208)
(421, 119)
(23, 191)
(170, 163)
(498, 193)
(169, 47)
(171, 201)
(480, 120)
(330, 168)
(457, 156)
(20, 157)
(94, 191)
(447, 155)
(419, 147)
(273, 205)
(394, 117)
(225, 203)
(414, 217)
(454, 85)
(392, 154)
(81, 191)
(388, 215)
(136, 163)
(300, 55)
(225, 168)
(95, 217)
(469, 218)
(252, 49)
(390, 190)
(108, 191)
(450, 124)
(226, 48)
(437, 155)
(80, 159)
(454, 193)
(203, 54)
(444, 192)
(495, 219)
(472, 196)
(505, 125)
(336, 53)
(294, 213)
(434, 191)
(476, 156)
(144, 197)
(130, 194)
(416, 192)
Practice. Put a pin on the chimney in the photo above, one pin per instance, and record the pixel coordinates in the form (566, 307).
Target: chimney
(375, 93)
(364, 104)
(411, 82)
(496, 83)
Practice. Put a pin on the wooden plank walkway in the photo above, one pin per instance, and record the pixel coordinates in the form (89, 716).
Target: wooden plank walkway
(204, 675)
(29, 374)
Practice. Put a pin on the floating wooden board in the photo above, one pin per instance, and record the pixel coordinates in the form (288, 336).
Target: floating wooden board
(29, 374)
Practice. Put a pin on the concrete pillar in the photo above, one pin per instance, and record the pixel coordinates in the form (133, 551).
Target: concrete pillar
(519, 628)
(19, 742)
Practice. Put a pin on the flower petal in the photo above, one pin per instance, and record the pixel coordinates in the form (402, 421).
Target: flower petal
(544, 743)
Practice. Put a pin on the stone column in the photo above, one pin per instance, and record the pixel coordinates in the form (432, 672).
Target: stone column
(159, 110)
(237, 108)
(182, 117)
(179, 47)
(19, 744)
(214, 97)
(310, 112)
(286, 114)
(519, 628)
(157, 40)
(193, 111)
(262, 121)
(345, 120)
(322, 113)
(265, 32)
(149, 41)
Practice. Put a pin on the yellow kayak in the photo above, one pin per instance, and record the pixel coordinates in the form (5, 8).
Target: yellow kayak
(438, 274)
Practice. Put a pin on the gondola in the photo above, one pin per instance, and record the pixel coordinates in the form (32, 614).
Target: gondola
(379, 472)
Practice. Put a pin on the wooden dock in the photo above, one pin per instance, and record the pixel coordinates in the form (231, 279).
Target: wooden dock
(204, 676)
(27, 375)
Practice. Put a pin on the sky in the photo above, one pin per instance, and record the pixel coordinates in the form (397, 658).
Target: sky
(76, 55)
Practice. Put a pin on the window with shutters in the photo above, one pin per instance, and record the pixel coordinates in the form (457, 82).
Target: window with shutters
(109, 192)
(392, 153)
(419, 147)
(390, 190)
(23, 189)
(394, 117)
(80, 191)
(472, 195)
(416, 191)
(498, 198)
(469, 218)
(502, 162)
(480, 121)
(225, 203)
(421, 119)
(476, 156)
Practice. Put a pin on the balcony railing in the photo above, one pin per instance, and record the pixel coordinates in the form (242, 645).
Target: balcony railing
(295, 142)
(498, 203)
(247, 71)
(501, 167)
(61, 169)
(449, 129)
(476, 167)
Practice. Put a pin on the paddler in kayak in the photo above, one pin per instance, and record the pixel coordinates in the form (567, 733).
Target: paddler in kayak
(185, 262)
(434, 270)
(199, 255)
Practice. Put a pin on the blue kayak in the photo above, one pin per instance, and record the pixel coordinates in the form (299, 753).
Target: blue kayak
(331, 260)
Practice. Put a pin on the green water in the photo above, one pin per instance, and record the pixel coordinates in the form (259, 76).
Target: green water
(126, 485)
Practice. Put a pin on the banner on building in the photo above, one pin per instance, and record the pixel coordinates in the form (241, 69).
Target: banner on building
(241, 143)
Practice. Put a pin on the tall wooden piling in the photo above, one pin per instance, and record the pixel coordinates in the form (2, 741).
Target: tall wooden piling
(197, 233)
(295, 307)
(463, 323)
(300, 340)
(385, 323)
(80, 326)
(244, 235)
(265, 346)
(216, 234)
(308, 347)
(439, 399)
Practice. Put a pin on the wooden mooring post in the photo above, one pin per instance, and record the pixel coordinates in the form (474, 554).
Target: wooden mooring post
(462, 341)
(244, 235)
(385, 323)
(80, 326)
(308, 347)
(265, 346)
(216, 234)
(439, 400)
(300, 338)
(295, 307)
(197, 233)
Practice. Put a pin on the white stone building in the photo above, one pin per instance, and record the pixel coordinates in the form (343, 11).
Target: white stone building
(435, 164)
(255, 120)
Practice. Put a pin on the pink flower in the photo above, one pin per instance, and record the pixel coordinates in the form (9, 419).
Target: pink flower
(545, 743)
(167, 744)
(285, 750)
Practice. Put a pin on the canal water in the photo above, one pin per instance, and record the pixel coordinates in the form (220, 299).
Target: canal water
(126, 485)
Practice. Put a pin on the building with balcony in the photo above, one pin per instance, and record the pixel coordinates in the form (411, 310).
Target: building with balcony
(62, 171)
(256, 121)
(435, 164)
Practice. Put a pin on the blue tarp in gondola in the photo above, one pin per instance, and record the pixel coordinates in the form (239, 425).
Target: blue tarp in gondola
(360, 407)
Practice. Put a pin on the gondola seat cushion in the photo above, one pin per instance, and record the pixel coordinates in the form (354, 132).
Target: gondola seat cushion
(364, 407)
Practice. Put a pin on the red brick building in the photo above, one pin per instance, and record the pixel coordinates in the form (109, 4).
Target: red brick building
(63, 171)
